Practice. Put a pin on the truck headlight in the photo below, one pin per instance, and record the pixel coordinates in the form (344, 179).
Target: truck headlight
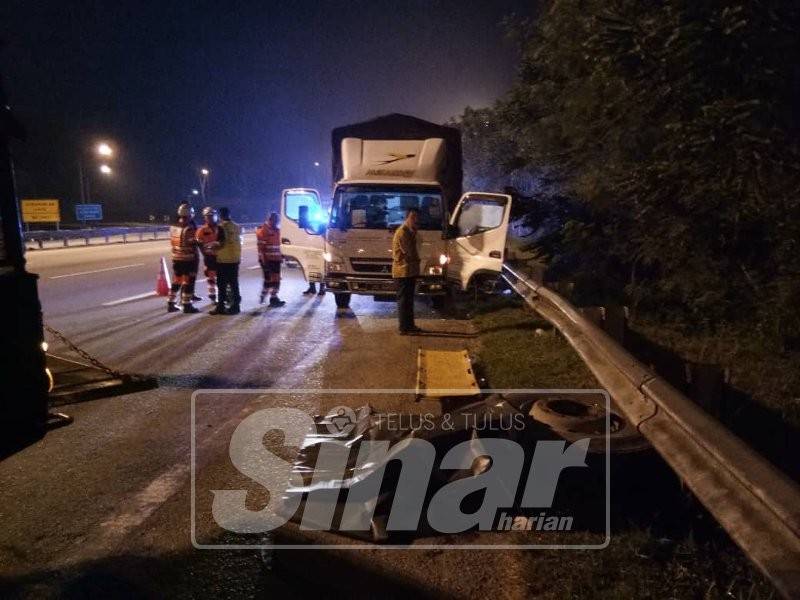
(326, 256)
(335, 267)
(434, 270)
(444, 259)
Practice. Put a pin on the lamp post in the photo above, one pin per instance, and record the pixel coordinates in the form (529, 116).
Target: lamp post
(203, 183)
(104, 151)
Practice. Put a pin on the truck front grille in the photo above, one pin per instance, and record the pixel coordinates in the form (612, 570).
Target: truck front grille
(371, 265)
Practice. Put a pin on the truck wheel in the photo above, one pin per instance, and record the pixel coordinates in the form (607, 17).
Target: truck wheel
(342, 300)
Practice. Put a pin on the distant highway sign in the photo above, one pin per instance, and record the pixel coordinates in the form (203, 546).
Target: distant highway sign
(89, 212)
(40, 211)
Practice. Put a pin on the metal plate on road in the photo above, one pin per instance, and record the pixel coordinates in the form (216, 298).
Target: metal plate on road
(445, 373)
(89, 212)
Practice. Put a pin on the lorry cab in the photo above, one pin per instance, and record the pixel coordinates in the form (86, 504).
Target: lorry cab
(350, 249)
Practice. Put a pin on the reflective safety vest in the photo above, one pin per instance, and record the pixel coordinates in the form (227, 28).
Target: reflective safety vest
(206, 236)
(269, 243)
(231, 250)
(182, 239)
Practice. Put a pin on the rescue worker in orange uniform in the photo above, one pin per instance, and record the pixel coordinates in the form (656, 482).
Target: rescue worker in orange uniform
(185, 259)
(208, 238)
(268, 237)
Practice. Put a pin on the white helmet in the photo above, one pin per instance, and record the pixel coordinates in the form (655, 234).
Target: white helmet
(209, 211)
(185, 210)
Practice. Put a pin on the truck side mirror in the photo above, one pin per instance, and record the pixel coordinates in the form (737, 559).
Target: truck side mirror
(305, 223)
(451, 231)
(302, 217)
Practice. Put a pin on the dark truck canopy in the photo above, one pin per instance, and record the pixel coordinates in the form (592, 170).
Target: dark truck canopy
(404, 127)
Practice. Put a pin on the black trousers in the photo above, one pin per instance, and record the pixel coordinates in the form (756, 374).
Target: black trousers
(228, 275)
(405, 302)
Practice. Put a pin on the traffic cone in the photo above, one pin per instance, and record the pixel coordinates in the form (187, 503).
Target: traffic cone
(163, 283)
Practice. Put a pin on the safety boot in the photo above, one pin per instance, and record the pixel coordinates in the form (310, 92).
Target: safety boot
(312, 289)
(171, 307)
(213, 298)
(261, 297)
(189, 309)
(276, 302)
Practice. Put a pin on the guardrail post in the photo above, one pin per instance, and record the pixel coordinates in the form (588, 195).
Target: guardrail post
(86, 239)
(124, 238)
(41, 243)
(141, 236)
(106, 239)
(155, 235)
(66, 245)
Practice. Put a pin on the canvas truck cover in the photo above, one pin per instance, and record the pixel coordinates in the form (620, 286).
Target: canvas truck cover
(404, 127)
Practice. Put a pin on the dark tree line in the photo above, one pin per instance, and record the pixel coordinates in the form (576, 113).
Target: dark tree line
(659, 143)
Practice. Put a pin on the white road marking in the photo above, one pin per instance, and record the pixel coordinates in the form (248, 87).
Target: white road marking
(97, 271)
(254, 267)
(130, 299)
(142, 505)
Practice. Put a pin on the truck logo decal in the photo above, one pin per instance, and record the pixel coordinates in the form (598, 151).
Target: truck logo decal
(395, 157)
(390, 172)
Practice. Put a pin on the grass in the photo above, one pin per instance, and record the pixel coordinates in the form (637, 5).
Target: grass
(769, 376)
(548, 361)
(663, 544)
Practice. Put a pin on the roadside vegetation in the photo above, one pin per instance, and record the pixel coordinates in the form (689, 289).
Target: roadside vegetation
(656, 151)
(663, 543)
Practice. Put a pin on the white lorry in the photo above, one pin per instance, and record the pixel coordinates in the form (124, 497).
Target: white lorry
(381, 169)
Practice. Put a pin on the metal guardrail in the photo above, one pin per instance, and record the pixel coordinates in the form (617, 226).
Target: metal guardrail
(84, 236)
(756, 504)
(66, 238)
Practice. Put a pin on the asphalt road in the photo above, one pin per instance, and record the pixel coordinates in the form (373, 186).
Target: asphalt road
(102, 507)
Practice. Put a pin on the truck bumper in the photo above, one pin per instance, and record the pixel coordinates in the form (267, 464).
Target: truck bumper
(380, 286)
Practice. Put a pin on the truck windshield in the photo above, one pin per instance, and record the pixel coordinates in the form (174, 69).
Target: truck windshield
(363, 207)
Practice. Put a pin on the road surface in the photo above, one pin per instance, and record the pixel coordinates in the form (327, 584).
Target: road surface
(102, 506)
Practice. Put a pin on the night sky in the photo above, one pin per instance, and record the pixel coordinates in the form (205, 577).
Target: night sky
(249, 89)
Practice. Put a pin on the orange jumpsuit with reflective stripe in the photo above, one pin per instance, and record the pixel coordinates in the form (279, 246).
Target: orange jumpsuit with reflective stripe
(184, 259)
(206, 236)
(268, 239)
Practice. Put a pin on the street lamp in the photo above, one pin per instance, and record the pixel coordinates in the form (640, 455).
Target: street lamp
(316, 163)
(203, 183)
(104, 149)
(195, 192)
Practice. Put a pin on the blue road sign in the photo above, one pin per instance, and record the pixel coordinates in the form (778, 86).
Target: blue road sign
(88, 212)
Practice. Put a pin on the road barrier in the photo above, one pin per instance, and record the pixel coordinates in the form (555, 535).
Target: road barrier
(68, 238)
(756, 504)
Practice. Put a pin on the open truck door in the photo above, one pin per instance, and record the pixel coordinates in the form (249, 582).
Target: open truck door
(479, 226)
(303, 226)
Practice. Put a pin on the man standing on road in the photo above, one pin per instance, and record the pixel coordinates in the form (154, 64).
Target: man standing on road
(208, 240)
(268, 237)
(229, 256)
(405, 270)
(184, 260)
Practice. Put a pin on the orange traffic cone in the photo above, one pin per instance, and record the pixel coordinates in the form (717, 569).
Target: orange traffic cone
(163, 283)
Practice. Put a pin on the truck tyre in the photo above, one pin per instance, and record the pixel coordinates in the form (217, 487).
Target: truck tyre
(445, 302)
(342, 300)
